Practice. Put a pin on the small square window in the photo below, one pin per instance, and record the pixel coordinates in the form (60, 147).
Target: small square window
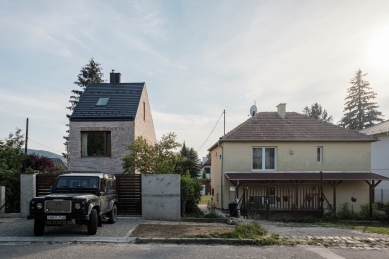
(102, 101)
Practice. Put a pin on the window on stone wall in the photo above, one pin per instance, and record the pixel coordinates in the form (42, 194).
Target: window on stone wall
(95, 143)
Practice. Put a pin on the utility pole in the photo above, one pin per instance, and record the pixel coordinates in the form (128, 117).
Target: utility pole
(224, 112)
(25, 147)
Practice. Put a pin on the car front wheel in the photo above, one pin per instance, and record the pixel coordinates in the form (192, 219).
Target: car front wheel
(39, 227)
(93, 222)
(113, 214)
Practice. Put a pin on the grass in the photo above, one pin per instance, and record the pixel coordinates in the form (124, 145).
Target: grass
(205, 199)
(373, 229)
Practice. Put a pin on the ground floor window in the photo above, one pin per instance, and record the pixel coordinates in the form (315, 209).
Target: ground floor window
(95, 143)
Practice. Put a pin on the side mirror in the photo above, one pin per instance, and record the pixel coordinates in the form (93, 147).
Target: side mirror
(52, 188)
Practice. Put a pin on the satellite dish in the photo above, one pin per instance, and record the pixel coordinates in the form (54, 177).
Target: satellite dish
(253, 110)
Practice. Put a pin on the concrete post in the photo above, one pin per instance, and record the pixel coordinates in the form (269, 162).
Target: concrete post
(27, 192)
(2, 199)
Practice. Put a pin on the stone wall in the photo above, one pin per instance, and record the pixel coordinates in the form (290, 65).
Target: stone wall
(122, 134)
(161, 197)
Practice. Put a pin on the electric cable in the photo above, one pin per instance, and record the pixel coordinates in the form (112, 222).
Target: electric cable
(211, 132)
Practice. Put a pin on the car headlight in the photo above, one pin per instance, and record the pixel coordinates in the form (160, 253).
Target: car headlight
(39, 206)
(77, 206)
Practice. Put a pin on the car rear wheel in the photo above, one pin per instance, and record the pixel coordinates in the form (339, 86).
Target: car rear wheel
(93, 221)
(113, 214)
(39, 227)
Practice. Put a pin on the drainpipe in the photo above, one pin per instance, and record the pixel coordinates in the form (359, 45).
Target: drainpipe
(221, 175)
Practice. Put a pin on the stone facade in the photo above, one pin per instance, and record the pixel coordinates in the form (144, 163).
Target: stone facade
(122, 134)
(144, 125)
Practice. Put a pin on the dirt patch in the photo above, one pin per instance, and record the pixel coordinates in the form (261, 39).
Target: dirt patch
(169, 231)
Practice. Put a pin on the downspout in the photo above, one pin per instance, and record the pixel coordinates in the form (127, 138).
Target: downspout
(221, 175)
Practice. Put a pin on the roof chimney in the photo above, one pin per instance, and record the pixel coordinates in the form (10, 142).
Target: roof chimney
(281, 110)
(115, 78)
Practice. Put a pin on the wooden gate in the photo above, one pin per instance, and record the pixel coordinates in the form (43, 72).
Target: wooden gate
(43, 183)
(128, 187)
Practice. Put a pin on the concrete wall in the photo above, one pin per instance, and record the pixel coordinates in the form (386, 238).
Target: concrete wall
(2, 199)
(27, 192)
(144, 125)
(161, 197)
(237, 157)
(122, 135)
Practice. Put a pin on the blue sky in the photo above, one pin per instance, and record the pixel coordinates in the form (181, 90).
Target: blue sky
(196, 57)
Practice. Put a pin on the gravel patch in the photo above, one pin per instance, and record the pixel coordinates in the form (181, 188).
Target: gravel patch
(299, 229)
(25, 228)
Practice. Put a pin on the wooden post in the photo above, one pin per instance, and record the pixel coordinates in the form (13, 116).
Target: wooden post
(372, 186)
(334, 184)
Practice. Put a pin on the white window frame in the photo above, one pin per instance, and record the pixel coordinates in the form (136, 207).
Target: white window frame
(263, 159)
(319, 159)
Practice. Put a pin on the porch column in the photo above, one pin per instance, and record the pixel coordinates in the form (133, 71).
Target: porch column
(334, 184)
(372, 186)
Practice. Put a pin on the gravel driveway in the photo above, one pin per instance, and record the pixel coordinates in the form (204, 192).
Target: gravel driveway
(25, 228)
(299, 229)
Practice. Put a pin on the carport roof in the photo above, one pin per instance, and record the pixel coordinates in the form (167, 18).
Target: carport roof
(283, 176)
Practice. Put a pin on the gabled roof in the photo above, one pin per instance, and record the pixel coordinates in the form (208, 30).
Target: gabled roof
(269, 127)
(383, 127)
(122, 104)
(207, 163)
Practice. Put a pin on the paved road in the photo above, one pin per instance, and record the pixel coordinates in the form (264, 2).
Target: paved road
(117, 251)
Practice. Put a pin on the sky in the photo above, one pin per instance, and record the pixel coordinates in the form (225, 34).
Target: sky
(197, 59)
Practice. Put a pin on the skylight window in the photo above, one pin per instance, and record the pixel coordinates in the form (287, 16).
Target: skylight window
(102, 101)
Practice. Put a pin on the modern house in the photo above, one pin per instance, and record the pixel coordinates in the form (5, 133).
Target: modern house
(380, 157)
(272, 162)
(107, 118)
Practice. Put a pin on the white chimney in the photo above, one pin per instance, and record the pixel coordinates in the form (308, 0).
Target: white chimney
(281, 110)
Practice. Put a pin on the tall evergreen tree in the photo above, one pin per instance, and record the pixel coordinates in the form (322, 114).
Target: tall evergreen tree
(317, 112)
(360, 110)
(89, 74)
(189, 163)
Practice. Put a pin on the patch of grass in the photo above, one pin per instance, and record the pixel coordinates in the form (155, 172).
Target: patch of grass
(373, 229)
(274, 239)
(205, 199)
(242, 230)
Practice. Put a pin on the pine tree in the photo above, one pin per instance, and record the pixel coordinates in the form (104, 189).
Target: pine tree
(89, 74)
(317, 112)
(360, 111)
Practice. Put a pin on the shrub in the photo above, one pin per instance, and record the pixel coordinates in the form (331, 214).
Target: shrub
(190, 195)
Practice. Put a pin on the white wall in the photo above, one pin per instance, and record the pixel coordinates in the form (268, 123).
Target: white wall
(380, 158)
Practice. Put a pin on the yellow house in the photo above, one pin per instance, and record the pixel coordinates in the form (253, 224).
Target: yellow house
(277, 163)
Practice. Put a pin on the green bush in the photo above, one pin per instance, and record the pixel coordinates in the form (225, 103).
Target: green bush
(190, 196)
(246, 230)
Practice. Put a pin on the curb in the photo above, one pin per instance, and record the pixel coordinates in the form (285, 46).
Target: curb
(201, 241)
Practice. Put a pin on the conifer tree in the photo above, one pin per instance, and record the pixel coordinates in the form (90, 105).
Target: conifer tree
(360, 110)
(317, 112)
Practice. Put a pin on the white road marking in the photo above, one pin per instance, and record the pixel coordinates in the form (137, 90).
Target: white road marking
(325, 253)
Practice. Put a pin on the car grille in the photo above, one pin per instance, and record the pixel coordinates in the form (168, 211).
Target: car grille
(58, 206)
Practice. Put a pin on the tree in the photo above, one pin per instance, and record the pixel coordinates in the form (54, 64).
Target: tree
(317, 112)
(41, 163)
(360, 110)
(89, 74)
(11, 164)
(189, 161)
(159, 158)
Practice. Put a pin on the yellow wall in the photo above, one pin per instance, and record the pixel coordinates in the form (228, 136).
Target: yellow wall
(337, 156)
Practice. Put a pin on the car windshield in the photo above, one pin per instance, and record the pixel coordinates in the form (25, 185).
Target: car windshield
(78, 182)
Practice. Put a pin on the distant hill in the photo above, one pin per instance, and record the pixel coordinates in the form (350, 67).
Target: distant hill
(45, 153)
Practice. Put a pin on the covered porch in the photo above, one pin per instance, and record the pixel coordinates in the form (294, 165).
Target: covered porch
(299, 195)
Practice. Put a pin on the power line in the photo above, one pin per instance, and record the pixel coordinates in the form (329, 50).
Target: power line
(211, 131)
(46, 146)
(231, 117)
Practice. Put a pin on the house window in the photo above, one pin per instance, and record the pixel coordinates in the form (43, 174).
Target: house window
(96, 143)
(102, 101)
(264, 158)
(320, 155)
(144, 111)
